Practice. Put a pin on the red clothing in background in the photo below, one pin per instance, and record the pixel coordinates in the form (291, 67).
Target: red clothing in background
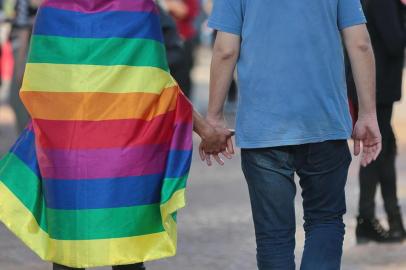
(186, 26)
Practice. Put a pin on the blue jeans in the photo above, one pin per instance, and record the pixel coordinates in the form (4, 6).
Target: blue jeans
(322, 168)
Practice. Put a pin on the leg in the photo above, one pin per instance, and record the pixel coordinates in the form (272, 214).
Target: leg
(269, 175)
(368, 182)
(371, 175)
(62, 267)
(386, 161)
(388, 180)
(387, 172)
(323, 169)
(137, 266)
(368, 227)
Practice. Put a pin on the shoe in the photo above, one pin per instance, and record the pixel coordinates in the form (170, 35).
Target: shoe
(137, 266)
(62, 267)
(397, 231)
(371, 230)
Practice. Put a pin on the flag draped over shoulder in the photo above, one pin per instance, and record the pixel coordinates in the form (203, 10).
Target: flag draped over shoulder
(98, 176)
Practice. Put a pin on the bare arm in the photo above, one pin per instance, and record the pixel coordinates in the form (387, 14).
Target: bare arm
(366, 130)
(358, 44)
(225, 55)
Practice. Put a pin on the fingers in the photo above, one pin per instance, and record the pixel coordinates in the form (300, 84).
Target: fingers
(367, 155)
(218, 159)
(378, 150)
(370, 153)
(232, 132)
(230, 146)
(357, 147)
(202, 153)
(219, 142)
(226, 154)
(208, 160)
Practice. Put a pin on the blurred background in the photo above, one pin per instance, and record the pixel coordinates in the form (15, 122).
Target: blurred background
(215, 229)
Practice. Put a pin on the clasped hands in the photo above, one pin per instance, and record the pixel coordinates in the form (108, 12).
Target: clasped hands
(216, 142)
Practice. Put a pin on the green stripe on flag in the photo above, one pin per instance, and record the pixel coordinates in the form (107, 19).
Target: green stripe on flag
(104, 223)
(25, 185)
(170, 186)
(87, 51)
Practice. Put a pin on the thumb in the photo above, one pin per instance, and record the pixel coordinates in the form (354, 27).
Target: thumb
(226, 132)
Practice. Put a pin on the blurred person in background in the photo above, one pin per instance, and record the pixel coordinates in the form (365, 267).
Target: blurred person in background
(7, 58)
(25, 11)
(185, 12)
(386, 25)
(172, 39)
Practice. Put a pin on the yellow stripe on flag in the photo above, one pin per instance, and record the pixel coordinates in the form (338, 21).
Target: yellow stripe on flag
(91, 78)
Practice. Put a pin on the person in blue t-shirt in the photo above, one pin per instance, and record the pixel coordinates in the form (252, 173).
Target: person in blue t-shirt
(293, 116)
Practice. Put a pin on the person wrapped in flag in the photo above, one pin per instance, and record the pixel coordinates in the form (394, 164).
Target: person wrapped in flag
(98, 176)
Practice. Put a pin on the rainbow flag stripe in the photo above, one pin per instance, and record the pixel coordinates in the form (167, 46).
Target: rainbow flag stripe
(98, 176)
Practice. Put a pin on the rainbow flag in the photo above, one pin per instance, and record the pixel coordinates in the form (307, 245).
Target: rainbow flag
(98, 176)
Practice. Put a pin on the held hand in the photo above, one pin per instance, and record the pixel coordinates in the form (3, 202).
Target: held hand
(216, 141)
(220, 125)
(366, 133)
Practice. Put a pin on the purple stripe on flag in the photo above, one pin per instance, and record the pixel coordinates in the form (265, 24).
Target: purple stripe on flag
(94, 6)
(180, 140)
(103, 163)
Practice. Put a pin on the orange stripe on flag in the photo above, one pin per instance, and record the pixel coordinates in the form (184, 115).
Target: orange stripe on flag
(99, 106)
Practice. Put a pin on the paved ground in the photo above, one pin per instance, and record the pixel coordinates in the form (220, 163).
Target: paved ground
(215, 230)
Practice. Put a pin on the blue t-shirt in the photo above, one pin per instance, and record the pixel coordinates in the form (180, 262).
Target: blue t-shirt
(291, 68)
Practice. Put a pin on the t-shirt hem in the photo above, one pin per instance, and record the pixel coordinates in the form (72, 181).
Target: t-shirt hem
(276, 143)
(224, 28)
(350, 23)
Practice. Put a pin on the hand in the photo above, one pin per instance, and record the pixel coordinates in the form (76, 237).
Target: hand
(215, 142)
(222, 144)
(366, 131)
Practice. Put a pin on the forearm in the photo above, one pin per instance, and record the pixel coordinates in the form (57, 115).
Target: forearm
(362, 61)
(221, 74)
(200, 126)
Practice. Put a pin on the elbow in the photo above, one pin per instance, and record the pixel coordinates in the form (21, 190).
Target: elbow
(358, 43)
(363, 46)
(227, 53)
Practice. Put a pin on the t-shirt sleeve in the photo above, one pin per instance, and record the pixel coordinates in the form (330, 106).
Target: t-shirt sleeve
(350, 13)
(227, 16)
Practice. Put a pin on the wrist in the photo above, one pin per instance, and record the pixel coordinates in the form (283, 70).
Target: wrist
(215, 114)
(215, 118)
(370, 114)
